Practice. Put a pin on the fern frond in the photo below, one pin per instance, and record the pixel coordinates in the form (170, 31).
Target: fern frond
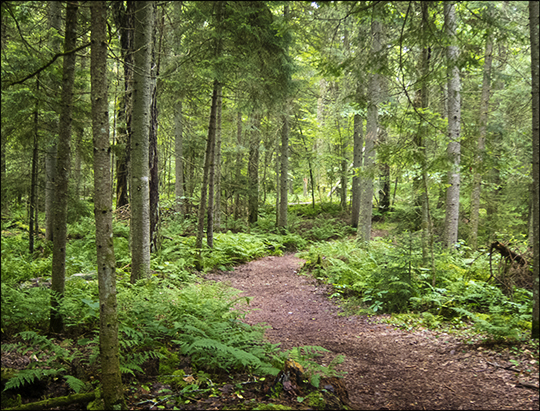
(74, 383)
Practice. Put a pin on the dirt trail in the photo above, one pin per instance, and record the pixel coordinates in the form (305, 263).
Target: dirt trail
(386, 368)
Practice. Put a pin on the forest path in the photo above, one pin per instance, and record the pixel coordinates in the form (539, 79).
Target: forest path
(386, 368)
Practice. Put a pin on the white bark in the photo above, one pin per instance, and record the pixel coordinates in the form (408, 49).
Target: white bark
(454, 128)
(366, 203)
(142, 99)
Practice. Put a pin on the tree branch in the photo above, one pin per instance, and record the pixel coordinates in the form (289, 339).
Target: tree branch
(48, 64)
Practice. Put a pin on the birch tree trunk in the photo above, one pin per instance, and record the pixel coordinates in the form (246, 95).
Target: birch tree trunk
(535, 72)
(63, 161)
(111, 378)
(478, 165)
(454, 128)
(142, 100)
(366, 205)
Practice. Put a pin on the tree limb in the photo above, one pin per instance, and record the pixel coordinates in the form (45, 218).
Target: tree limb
(48, 64)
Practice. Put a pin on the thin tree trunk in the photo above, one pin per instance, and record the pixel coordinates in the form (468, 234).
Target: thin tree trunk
(284, 154)
(535, 72)
(33, 185)
(153, 154)
(284, 172)
(208, 160)
(211, 153)
(366, 206)
(63, 161)
(77, 164)
(454, 128)
(179, 158)
(358, 143)
(478, 165)
(239, 165)
(111, 377)
(55, 22)
(142, 100)
(343, 168)
(217, 207)
(253, 169)
(125, 24)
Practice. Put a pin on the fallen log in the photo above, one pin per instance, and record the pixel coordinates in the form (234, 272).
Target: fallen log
(56, 402)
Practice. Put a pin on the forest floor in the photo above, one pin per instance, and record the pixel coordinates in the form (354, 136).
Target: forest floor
(387, 368)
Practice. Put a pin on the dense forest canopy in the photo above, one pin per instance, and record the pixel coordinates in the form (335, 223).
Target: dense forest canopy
(217, 117)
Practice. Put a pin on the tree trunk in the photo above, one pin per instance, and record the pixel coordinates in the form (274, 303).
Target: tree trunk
(63, 161)
(124, 21)
(239, 165)
(284, 171)
(366, 206)
(208, 160)
(55, 22)
(343, 168)
(358, 143)
(111, 378)
(153, 163)
(179, 158)
(77, 164)
(284, 152)
(478, 165)
(535, 72)
(217, 206)
(211, 154)
(142, 100)
(253, 169)
(454, 128)
(33, 214)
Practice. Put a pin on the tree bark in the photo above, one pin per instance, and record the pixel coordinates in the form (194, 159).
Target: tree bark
(63, 161)
(33, 185)
(239, 164)
(366, 205)
(208, 160)
(535, 72)
(142, 94)
(253, 168)
(123, 16)
(284, 171)
(179, 158)
(478, 165)
(111, 378)
(284, 152)
(454, 128)
(153, 163)
(55, 22)
(217, 205)
(358, 145)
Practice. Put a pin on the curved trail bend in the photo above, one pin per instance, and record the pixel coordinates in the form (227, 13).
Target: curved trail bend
(386, 368)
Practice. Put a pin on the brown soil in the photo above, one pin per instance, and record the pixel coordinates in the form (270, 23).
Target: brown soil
(386, 368)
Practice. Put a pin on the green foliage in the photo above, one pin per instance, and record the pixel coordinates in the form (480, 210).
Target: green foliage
(304, 356)
(390, 276)
(24, 309)
(52, 360)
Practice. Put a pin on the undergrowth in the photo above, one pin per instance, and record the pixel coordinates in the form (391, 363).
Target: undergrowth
(390, 276)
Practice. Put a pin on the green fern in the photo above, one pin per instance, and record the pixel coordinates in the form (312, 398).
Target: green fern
(74, 383)
(28, 376)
